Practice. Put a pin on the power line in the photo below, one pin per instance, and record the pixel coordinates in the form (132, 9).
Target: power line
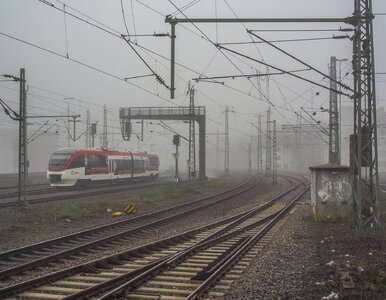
(124, 18)
(218, 47)
(83, 64)
(301, 61)
(121, 36)
(8, 110)
(286, 72)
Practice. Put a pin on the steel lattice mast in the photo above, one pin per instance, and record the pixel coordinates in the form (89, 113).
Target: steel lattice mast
(226, 162)
(365, 153)
(23, 153)
(192, 138)
(274, 154)
(334, 150)
(268, 147)
(88, 129)
(259, 148)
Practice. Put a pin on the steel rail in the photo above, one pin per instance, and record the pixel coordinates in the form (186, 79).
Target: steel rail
(166, 264)
(107, 262)
(113, 236)
(73, 194)
(229, 261)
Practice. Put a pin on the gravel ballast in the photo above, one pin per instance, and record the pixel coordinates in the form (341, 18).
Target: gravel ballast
(310, 260)
(262, 192)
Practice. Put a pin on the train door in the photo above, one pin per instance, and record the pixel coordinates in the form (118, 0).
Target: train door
(111, 168)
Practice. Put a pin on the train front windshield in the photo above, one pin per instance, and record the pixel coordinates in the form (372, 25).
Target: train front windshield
(58, 161)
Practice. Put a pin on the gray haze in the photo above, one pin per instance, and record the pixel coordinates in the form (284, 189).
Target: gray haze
(51, 79)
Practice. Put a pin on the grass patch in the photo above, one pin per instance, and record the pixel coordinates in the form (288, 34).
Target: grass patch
(164, 192)
(113, 204)
(74, 211)
(213, 184)
(8, 229)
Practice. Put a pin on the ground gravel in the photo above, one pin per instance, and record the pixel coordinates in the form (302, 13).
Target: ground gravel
(306, 260)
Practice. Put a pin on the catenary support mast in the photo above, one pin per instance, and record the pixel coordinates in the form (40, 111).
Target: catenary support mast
(365, 152)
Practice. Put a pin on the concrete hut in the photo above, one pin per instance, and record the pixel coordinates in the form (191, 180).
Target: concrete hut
(331, 192)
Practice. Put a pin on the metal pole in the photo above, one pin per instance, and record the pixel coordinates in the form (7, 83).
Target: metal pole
(172, 58)
(268, 148)
(260, 148)
(104, 133)
(217, 151)
(68, 122)
(340, 108)
(333, 116)
(365, 154)
(250, 156)
(176, 158)
(274, 152)
(192, 138)
(174, 21)
(23, 158)
(88, 128)
(226, 162)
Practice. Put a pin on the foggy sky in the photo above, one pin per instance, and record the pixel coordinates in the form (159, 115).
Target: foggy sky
(32, 21)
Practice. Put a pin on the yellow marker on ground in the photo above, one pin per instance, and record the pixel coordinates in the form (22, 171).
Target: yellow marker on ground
(117, 214)
(130, 209)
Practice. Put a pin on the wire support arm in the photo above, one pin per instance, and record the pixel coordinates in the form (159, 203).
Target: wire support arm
(246, 75)
(284, 71)
(300, 61)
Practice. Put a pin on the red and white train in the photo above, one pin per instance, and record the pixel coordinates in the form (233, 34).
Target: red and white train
(70, 167)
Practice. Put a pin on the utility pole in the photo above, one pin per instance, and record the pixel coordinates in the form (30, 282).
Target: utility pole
(88, 129)
(217, 151)
(259, 148)
(226, 149)
(340, 108)
(93, 133)
(268, 149)
(23, 153)
(192, 137)
(298, 129)
(250, 156)
(176, 142)
(104, 133)
(365, 151)
(68, 121)
(274, 152)
(333, 154)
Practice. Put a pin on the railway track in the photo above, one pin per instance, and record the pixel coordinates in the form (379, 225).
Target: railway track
(179, 267)
(39, 254)
(75, 193)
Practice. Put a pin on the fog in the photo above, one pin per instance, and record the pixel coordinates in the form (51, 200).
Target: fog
(91, 76)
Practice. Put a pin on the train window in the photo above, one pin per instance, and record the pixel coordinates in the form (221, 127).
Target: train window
(153, 161)
(77, 162)
(58, 161)
(139, 166)
(96, 161)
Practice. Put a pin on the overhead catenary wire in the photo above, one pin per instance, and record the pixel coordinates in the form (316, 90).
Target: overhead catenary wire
(209, 40)
(124, 18)
(302, 62)
(121, 36)
(137, 1)
(83, 64)
(132, 15)
(286, 72)
(8, 110)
